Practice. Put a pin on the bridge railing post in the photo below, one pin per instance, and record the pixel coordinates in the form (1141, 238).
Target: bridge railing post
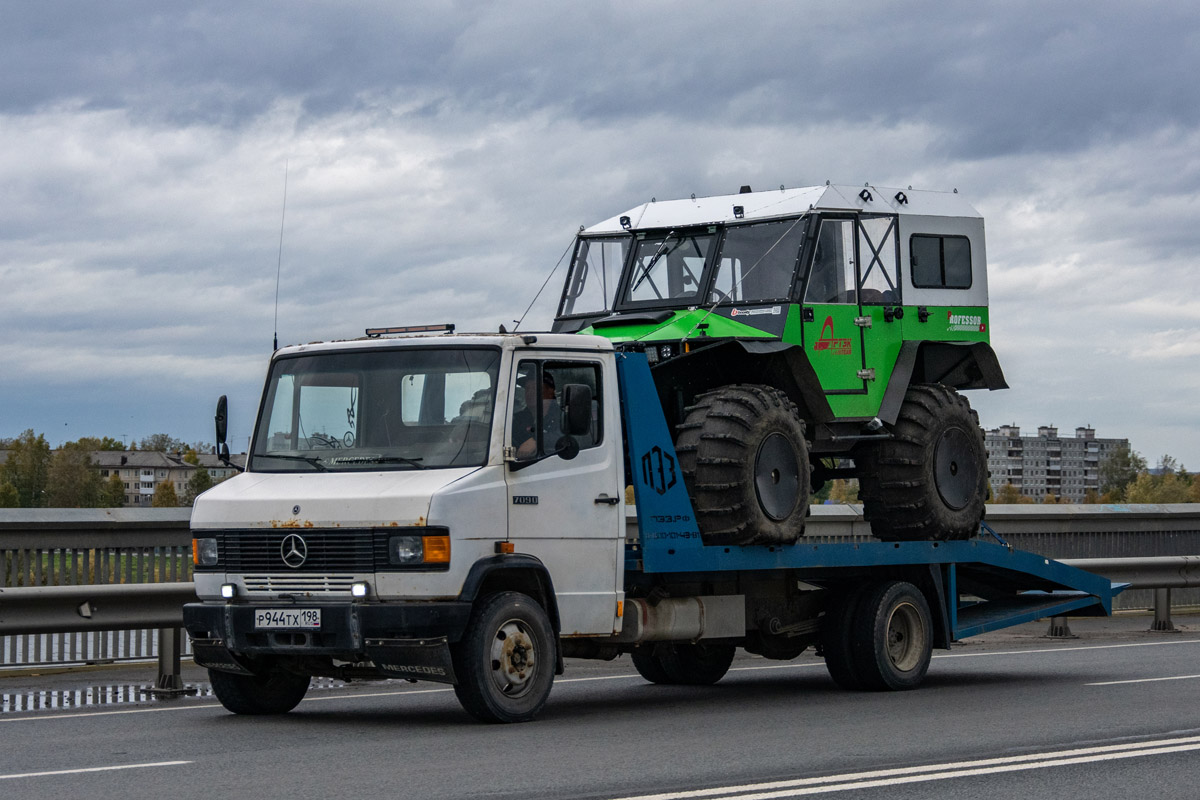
(1162, 611)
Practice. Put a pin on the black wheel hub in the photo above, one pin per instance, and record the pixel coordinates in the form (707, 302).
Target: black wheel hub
(776, 476)
(955, 468)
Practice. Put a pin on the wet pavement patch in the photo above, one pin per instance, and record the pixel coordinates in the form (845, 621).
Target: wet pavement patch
(111, 695)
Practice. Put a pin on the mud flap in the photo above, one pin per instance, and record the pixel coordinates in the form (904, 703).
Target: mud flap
(414, 659)
(212, 654)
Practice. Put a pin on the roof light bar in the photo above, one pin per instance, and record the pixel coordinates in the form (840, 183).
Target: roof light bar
(447, 327)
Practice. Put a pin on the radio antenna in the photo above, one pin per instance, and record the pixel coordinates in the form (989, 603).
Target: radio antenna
(279, 261)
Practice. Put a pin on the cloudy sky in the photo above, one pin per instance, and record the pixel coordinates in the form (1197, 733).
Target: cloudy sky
(440, 155)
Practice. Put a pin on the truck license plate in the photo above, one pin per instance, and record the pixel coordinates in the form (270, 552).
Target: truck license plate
(287, 618)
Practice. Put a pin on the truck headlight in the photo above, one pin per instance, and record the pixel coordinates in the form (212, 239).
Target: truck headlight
(204, 552)
(405, 550)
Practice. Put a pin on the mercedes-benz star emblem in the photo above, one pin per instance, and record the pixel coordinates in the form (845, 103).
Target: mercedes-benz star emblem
(294, 550)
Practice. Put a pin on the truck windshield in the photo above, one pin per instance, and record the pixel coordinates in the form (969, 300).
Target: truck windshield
(388, 409)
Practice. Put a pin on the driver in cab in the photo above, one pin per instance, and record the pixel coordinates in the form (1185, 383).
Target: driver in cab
(525, 438)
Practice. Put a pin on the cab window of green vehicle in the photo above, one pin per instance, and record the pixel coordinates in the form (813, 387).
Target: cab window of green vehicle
(877, 261)
(668, 270)
(831, 279)
(757, 262)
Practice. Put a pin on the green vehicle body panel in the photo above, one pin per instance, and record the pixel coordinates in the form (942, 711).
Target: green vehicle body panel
(837, 348)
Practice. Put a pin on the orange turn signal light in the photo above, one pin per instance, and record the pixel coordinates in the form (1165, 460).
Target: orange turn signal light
(505, 547)
(437, 549)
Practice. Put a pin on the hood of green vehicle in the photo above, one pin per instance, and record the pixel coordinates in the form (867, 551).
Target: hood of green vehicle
(682, 324)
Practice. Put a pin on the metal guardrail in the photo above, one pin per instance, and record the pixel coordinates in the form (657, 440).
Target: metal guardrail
(86, 572)
(109, 555)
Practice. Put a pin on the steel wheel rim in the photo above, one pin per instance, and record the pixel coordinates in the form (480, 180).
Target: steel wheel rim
(955, 471)
(512, 659)
(776, 476)
(905, 637)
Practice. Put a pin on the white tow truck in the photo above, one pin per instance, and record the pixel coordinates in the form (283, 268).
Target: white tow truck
(452, 507)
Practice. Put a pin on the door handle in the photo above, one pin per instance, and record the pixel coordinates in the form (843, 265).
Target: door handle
(606, 500)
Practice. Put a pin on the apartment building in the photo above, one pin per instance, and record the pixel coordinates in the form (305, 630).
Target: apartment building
(142, 470)
(1064, 466)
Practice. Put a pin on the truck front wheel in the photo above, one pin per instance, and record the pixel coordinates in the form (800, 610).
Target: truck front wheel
(505, 661)
(274, 692)
(744, 460)
(928, 482)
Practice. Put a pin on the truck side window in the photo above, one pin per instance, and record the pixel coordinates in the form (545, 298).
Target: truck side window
(537, 422)
(831, 279)
(940, 262)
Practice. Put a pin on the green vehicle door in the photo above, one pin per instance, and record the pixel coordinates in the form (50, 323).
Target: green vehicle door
(851, 335)
(879, 298)
(832, 340)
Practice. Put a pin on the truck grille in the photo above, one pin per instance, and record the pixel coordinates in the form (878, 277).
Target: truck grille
(337, 550)
(310, 554)
(298, 583)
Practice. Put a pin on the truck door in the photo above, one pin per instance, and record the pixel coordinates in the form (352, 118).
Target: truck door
(568, 513)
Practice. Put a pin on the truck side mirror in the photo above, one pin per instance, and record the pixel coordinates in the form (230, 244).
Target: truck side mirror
(577, 408)
(221, 417)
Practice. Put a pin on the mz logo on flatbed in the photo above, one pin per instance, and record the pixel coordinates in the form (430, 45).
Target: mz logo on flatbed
(658, 470)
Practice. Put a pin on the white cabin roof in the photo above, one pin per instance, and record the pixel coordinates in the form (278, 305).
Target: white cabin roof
(787, 203)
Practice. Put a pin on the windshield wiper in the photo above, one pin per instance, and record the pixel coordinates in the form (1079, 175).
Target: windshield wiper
(412, 462)
(316, 462)
(658, 253)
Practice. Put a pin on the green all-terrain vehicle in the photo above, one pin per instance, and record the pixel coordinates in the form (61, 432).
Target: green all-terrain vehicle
(800, 335)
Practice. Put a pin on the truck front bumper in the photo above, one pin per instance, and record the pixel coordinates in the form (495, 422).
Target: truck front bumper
(402, 640)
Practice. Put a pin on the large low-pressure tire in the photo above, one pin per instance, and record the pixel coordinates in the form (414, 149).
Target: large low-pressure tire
(684, 664)
(891, 637)
(274, 692)
(744, 460)
(505, 661)
(928, 482)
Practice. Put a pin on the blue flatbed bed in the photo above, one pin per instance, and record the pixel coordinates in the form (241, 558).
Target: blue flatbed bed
(981, 585)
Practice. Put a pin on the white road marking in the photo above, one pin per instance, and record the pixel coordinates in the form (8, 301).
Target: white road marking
(1066, 649)
(91, 769)
(1145, 680)
(930, 772)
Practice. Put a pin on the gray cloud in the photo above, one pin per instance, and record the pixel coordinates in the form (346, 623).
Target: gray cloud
(440, 156)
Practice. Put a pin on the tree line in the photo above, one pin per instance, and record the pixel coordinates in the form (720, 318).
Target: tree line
(34, 476)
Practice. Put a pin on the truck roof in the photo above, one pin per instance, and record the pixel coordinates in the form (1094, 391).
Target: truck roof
(787, 203)
(539, 339)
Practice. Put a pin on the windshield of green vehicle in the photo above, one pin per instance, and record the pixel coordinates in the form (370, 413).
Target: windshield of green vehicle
(387, 409)
(668, 270)
(595, 271)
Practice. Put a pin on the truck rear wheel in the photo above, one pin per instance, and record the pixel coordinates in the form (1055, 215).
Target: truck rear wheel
(273, 692)
(684, 664)
(891, 637)
(929, 482)
(744, 460)
(837, 630)
(505, 661)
